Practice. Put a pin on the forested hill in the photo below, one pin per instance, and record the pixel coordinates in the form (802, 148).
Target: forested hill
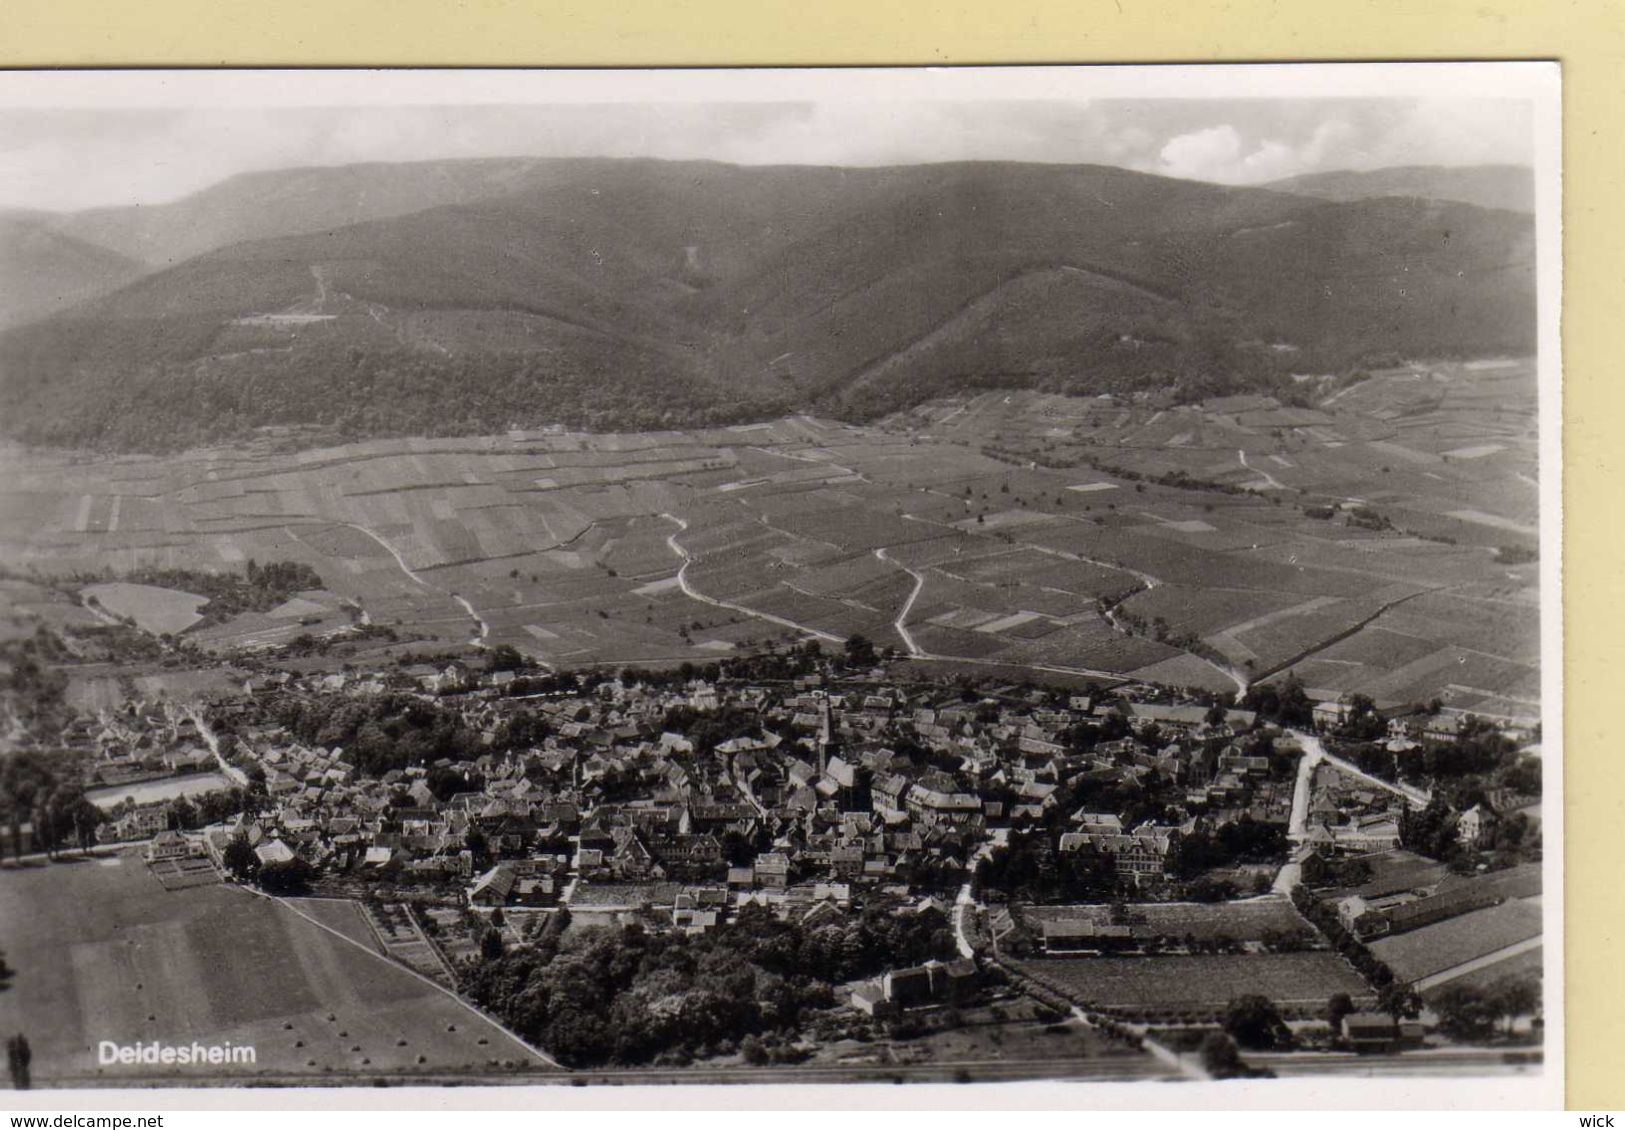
(1488, 186)
(637, 294)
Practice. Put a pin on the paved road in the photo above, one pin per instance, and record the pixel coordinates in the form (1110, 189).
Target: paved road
(1406, 792)
(963, 905)
(1312, 747)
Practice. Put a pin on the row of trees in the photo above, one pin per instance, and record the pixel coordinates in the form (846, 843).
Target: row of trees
(1393, 996)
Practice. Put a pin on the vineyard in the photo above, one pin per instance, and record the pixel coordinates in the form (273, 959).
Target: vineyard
(1105, 547)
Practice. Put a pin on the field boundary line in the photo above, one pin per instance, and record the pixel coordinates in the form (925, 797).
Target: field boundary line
(434, 947)
(491, 1020)
(1339, 636)
(1483, 961)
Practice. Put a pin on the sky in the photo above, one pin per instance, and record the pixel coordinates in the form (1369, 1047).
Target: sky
(65, 158)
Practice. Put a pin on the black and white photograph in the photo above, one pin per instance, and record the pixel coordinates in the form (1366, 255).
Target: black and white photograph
(781, 577)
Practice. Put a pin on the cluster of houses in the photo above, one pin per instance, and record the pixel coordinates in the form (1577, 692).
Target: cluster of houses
(140, 740)
(822, 786)
(1350, 815)
(817, 797)
(880, 787)
(1403, 732)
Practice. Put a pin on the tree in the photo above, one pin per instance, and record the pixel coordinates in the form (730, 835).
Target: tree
(860, 651)
(1512, 997)
(1339, 1006)
(240, 859)
(182, 814)
(289, 878)
(1220, 1058)
(737, 849)
(1363, 723)
(1431, 831)
(1399, 1000)
(1286, 703)
(504, 657)
(491, 945)
(1255, 1023)
(1464, 1013)
(18, 1057)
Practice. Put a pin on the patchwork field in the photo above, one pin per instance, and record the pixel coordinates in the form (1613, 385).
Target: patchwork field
(1417, 954)
(103, 952)
(1247, 920)
(1207, 546)
(1200, 983)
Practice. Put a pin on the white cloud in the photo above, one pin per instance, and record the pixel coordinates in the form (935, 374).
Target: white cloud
(1221, 154)
(1206, 154)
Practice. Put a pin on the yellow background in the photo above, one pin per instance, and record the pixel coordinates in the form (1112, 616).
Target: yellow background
(1585, 35)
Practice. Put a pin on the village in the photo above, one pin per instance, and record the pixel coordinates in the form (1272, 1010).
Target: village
(475, 806)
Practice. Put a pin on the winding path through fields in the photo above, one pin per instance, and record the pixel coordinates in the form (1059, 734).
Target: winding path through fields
(482, 629)
(919, 653)
(1274, 483)
(1109, 611)
(901, 622)
(694, 594)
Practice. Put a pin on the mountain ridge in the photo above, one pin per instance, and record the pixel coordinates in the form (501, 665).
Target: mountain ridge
(44, 270)
(631, 292)
(1508, 187)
